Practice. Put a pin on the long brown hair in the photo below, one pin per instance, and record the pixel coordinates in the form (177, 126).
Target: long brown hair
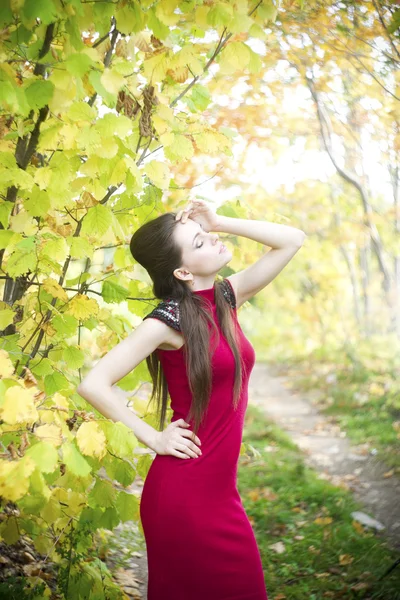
(153, 246)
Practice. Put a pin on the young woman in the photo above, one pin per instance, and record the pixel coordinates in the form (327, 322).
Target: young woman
(200, 543)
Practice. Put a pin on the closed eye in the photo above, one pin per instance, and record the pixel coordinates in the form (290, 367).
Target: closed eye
(202, 230)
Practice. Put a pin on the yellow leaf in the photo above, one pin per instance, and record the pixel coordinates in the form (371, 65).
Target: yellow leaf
(6, 366)
(118, 172)
(42, 177)
(10, 532)
(112, 81)
(357, 526)
(165, 11)
(167, 139)
(91, 440)
(201, 16)
(254, 495)
(211, 142)
(156, 67)
(82, 307)
(54, 289)
(160, 125)
(323, 520)
(107, 149)
(180, 74)
(69, 133)
(235, 56)
(345, 559)
(19, 406)
(158, 172)
(187, 57)
(49, 433)
(14, 477)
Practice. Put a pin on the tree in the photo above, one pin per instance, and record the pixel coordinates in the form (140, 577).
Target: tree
(100, 103)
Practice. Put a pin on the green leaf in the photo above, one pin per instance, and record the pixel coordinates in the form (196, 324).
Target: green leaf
(151, 195)
(240, 22)
(112, 81)
(78, 64)
(42, 9)
(108, 520)
(95, 79)
(73, 357)
(121, 440)
(81, 111)
(118, 469)
(80, 248)
(113, 293)
(395, 22)
(5, 238)
(55, 382)
(97, 220)
(102, 494)
(159, 173)
(127, 505)
(130, 18)
(268, 11)
(200, 97)
(20, 262)
(234, 57)
(220, 14)
(180, 149)
(111, 124)
(74, 460)
(39, 92)
(6, 316)
(258, 32)
(255, 63)
(44, 455)
(160, 30)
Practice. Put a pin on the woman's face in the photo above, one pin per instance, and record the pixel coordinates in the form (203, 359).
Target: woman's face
(200, 250)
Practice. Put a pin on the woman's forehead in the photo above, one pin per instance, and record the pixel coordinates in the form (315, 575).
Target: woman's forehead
(185, 232)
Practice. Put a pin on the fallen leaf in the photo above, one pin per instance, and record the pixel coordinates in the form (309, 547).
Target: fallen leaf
(279, 547)
(323, 520)
(389, 473)
(360, 586)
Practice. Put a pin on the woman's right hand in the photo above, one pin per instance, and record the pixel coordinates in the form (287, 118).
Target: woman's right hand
(176, 440)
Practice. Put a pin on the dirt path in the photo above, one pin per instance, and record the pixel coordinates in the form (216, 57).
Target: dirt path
(325, 448)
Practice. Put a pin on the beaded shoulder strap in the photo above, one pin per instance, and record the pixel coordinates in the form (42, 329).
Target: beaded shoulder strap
(228, 292)
(167, 311)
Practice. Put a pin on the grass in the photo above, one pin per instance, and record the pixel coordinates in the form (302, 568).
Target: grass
(326, 554)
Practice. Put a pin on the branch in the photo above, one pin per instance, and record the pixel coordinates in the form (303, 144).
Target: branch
(23, 154)
(220, 45)
(389, 37)
(107, 59)
(188, 187)
(326, 134)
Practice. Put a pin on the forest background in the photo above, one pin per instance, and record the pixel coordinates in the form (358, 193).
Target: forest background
(113, 112)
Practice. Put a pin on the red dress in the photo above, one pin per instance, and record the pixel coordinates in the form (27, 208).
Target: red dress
(200, 543)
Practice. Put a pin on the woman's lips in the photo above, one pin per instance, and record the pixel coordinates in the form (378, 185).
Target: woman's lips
(222, 249)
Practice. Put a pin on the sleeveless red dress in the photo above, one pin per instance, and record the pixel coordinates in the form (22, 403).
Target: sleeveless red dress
(200, 543)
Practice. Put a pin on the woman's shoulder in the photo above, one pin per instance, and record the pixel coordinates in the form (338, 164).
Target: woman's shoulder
(168, 311)
(228, 292)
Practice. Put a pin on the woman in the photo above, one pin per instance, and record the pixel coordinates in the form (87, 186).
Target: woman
(200, 543)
